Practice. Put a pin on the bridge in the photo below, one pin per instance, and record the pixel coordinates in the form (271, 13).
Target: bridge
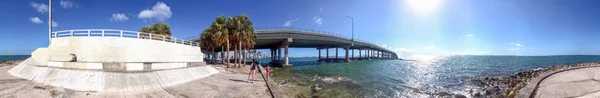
(281, 38)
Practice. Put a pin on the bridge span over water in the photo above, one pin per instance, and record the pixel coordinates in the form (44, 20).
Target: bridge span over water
(281, 38)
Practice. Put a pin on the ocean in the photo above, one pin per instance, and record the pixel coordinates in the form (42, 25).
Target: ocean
(14, 57)
(430, 77)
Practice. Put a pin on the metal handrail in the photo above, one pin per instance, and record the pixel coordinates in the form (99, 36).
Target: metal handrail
(121, 33)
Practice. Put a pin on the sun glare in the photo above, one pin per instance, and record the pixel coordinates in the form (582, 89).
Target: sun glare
(423, 6)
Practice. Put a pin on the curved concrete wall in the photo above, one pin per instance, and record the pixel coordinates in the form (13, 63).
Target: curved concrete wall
(118, 49)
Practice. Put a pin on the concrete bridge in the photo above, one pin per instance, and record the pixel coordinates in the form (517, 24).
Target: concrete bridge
(281, 38)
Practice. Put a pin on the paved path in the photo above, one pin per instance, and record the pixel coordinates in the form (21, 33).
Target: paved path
(584, 82)
(221, 85)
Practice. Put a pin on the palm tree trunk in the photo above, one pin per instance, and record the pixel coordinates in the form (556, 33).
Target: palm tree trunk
(222, 55)
(235, 57)
(240, 52)
(245, 55)
(212, 57)
(227, 61)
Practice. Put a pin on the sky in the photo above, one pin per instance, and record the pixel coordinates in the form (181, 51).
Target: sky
(408, 27)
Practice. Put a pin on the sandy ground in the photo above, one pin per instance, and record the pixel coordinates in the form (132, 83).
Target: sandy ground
(221, 85)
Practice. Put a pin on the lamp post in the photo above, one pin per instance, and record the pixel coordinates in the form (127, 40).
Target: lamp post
(49, 21)
(352, 19)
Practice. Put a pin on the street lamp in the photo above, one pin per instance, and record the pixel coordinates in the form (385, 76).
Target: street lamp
(49, 21)
(351, 18)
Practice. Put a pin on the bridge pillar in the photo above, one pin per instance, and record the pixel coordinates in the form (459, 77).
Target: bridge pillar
(272, 54)
(368, 54)
(287, 60)
(347, 49)
(359, 54)
(278, 53)
(327, 54)
(319, 54)
(352, 53)
(336, 53)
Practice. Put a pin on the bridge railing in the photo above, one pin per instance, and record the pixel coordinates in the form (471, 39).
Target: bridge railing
(120, 33)
(314, 31)
(305, 30)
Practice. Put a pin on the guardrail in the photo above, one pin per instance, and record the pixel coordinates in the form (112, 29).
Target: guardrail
(120, 33)
(301, 29)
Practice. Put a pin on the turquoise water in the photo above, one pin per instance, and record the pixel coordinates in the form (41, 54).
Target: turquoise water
(420, 78)
(15, 57)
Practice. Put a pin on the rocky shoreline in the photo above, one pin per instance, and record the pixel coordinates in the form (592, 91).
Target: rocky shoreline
(507, 87)
(11, 62)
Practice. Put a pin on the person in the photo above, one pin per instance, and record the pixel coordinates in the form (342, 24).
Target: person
(267, 70)
(253, 68)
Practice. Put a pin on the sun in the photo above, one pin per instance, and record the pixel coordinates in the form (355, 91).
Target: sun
(423, 6)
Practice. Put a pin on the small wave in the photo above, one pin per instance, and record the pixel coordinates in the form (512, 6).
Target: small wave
(432, 93)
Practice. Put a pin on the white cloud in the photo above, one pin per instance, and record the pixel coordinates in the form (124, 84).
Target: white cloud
(36, 20)
(159, 12)
(40, 7)
(318, 20)
(469, 35)
(289, 22)
(118, 17)
(402, 50)
(320, 9)
(54, 24)
(384, 45)
(66, 4)
(516, 44)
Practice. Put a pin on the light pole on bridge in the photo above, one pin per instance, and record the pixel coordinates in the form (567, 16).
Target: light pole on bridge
(352, 19)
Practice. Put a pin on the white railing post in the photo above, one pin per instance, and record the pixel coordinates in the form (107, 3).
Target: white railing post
(121, 33)
(56, 35)
(174, 40)
(89, 33)
(71, 33)
(102, 33)
(164, 38)
(138, 35)
(150, 36)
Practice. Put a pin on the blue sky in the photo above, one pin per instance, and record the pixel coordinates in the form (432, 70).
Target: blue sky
(409, 27)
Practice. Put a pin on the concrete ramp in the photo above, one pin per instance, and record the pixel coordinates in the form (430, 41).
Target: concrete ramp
(95, 80)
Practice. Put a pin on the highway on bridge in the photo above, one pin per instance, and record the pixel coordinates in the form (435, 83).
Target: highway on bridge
(278, 38)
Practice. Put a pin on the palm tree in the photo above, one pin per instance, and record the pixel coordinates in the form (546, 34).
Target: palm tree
(222, 34)
(157, 28)
(208, 42)
(248, 34)
(234, 36)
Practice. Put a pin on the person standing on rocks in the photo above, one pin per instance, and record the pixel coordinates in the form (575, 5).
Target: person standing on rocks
(253, 68)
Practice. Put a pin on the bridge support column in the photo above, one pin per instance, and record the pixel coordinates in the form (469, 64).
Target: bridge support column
(368, 54)
(347, 49)
(359, 54)
(286, 44)
(287, 60)
(336, 53)
(319, 49)
(327, 54)
(278, 53)
(352, 53)
(272, 55)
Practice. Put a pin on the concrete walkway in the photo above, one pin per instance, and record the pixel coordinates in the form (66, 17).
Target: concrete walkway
(220, 85)
(583, 82)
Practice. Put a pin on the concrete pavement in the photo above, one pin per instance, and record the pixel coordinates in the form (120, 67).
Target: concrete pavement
(582, 82)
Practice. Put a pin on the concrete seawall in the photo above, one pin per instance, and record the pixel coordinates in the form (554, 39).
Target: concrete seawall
(119, 49)
(91, 80)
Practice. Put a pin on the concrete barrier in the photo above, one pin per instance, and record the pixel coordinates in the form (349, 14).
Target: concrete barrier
(39, 57)
(90, 80)
(120, 49)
